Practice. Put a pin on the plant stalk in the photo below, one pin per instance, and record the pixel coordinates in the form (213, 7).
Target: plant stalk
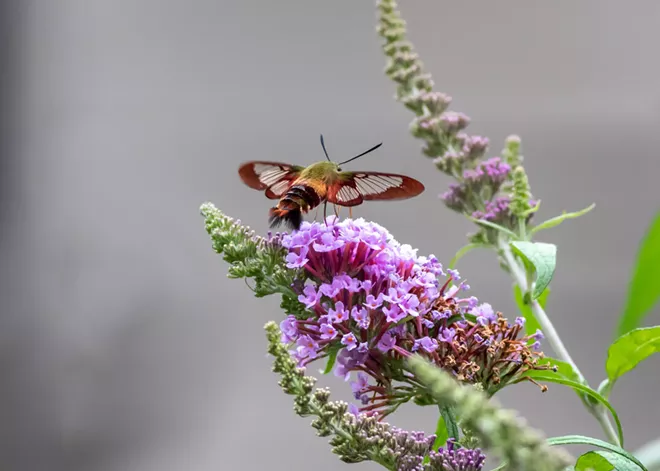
(520, 276)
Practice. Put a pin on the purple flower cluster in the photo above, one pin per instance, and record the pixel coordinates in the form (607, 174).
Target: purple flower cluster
(372, 302)
(480, 181)
(453, 458)
(412, 447)
(362, 278)
(498, 211)
(492, 171)
(409, 448)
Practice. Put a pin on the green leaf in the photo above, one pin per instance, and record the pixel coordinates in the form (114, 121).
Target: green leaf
(605, 461)
(566, 371)
(332, 357)
(441, 434)
(595, 461)
(492, 225)
(630, 350)
(582, 440)
(449, 416)
(543, 257)
(531, 323)
(644, 286)
(533, 209)
(563, 369)
(577, 386)
(465, 249)
(446, 428)
(555, 221)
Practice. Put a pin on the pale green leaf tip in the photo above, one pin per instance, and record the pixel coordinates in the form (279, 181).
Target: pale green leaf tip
(555, 221)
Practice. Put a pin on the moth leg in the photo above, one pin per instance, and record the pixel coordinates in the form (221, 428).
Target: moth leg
(350, 212)
(336, 211)
(325, 212)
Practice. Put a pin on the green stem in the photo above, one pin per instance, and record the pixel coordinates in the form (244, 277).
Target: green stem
(522, 228)
(520, 276)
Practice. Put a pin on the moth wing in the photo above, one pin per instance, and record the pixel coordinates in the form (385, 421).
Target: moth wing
(374, 186)
(344, 193)
(273, 177)
(279, 189)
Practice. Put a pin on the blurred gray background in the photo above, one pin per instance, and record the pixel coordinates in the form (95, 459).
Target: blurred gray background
(123, 346)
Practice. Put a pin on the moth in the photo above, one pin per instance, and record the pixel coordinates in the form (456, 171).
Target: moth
(301, 189)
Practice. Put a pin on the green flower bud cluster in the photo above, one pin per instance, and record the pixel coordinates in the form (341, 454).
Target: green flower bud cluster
(354, 438)
(252, 257)
(497, 429)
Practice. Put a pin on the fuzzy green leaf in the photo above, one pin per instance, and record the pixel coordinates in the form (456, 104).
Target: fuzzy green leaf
(644, 286)
(543, 257)
(582, 440)
(531, 323)
(555, 221)
(605, 461)
(630, 350)
(545, 376)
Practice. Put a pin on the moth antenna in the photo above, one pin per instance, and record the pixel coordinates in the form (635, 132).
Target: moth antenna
(363, 153)
(324, 151)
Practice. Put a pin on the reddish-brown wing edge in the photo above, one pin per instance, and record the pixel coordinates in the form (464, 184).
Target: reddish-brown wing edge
(250, 177)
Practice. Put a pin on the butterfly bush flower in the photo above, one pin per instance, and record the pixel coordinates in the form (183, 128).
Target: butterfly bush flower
(373, 302)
